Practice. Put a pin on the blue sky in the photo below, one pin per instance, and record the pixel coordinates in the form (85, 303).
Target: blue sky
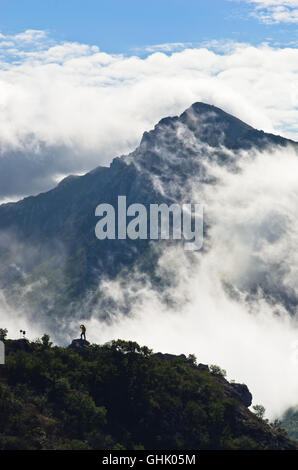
(122, 26)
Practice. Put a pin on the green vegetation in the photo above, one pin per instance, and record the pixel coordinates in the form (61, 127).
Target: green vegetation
(121, 396)
(216, 370)
(259, 411)
(290, 422)
(3, 333)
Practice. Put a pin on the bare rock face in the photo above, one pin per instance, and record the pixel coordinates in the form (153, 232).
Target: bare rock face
(244, 394)
(54, 231)
(240, 392)
(168, 356)
(203, 367)
(79, 344)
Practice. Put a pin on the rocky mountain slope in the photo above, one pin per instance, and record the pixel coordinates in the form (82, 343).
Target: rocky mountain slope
(49, 255)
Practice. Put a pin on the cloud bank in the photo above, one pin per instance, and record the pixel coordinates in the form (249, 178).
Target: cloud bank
(68, 107)
(227, 305)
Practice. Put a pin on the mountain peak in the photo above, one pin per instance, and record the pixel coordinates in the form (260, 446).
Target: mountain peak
(214, 113)
(199, 111)
(54, 231)
(210, 125)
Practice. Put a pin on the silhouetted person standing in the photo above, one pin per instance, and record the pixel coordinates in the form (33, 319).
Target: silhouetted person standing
(83, 332)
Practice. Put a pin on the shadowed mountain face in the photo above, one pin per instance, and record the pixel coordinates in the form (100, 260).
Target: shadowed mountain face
(49, 254)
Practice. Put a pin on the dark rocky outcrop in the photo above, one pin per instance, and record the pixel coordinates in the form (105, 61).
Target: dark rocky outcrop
(203, 367)
(79, 344)
(241, 392)
(168, 356)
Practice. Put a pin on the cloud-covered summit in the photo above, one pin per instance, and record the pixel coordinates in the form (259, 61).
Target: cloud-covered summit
(67, 107)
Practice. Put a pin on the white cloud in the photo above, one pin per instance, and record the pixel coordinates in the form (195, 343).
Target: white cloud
(167, 47)
(276, 11)
(69, 107)
(253, 236)
(274, 3)
(29, 36)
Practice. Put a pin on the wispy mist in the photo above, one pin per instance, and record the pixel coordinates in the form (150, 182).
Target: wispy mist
(235, 303)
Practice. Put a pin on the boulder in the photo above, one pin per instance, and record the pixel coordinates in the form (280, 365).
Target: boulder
(203, 367)
(79, 344)
(241, 393)
(168, 356)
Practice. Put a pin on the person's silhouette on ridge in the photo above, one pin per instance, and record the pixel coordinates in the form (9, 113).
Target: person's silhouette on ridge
(83, 332)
